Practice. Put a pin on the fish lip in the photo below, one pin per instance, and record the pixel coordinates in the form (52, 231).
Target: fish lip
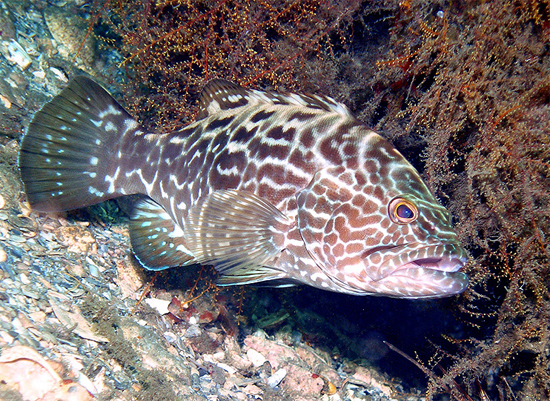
(443, 263)
(438, 276)
(450, 258)
(453, 258)
(434, 283)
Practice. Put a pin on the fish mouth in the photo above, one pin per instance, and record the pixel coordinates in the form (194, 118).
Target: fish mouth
(447, 264)
(447, 257)
(423, 271)
(433, 277)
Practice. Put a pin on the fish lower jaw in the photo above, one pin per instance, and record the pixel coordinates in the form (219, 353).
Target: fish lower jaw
(424, 278)
(420, 283)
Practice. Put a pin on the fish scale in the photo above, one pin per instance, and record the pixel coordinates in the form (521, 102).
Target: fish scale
(269, 188)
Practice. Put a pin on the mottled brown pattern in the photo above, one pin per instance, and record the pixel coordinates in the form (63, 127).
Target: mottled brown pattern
(264, 188)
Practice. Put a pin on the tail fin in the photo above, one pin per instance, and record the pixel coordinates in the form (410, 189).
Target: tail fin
(68, 154)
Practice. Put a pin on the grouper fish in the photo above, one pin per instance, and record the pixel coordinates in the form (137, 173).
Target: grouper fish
(269, 188)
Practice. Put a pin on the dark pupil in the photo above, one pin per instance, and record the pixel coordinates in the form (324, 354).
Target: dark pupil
(404, 212)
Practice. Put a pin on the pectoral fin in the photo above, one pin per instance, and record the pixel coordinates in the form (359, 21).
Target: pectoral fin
(239, 234)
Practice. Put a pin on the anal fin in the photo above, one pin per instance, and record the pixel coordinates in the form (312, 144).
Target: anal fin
(157, 241)
(247, 274)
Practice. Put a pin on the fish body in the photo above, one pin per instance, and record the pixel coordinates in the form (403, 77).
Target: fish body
(277, 189)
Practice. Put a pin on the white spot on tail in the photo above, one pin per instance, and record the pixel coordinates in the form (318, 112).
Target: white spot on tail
(95, 191)
(183, 249)
(111, 180)
(93, 161)
(176, 233)
(177, 140)
(148, 185)
(234, 98)
(110, 110)
(129, 125)
(110, 127)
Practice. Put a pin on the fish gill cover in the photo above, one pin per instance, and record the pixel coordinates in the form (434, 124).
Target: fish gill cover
(463, 86)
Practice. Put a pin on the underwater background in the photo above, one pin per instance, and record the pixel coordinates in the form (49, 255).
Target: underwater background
(462, 89)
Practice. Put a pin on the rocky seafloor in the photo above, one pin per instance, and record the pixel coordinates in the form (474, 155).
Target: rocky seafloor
(80, 319)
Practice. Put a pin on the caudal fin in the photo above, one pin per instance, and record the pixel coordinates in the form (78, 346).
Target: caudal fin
(68, 153)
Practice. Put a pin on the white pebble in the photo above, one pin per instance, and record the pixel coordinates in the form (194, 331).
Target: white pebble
(94, 272)
(170, 337)
(159, 305)
(255, 357)
(231, 370)
(24, 279)
(5, 102)
(59, 74)
(277, 377)
(39, 74)
(6, 337)
(16, 54)
(193, 331)
(2, 202)
(3, 255)
(87, 384)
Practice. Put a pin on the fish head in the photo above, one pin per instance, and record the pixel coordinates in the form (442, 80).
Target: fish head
(376, 229)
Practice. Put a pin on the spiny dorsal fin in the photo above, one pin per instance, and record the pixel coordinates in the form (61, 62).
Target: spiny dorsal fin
(220, 95)
(157, 241)
(239, 234)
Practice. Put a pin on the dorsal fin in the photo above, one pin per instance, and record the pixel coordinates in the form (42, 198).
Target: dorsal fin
(220, 94)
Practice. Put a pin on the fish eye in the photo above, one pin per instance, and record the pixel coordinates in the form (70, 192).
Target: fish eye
(402, 211)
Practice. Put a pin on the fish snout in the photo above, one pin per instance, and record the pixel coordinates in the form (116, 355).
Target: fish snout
(414, 271)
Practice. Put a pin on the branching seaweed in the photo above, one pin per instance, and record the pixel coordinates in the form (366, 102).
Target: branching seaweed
(466, 83)
(172, 48)
(481, 104)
